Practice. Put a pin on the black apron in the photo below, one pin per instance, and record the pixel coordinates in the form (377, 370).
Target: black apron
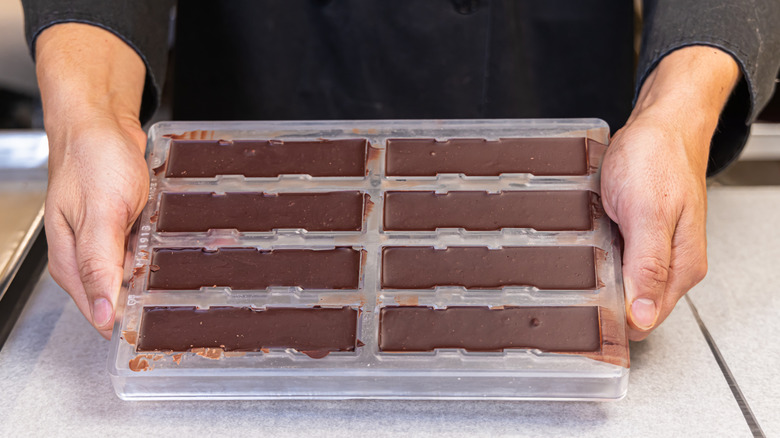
(361, 59)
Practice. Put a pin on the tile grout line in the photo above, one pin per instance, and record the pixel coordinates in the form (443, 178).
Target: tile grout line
(751, 420)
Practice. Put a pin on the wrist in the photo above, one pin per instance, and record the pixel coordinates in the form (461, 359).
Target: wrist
(688, 90)
(87, 74)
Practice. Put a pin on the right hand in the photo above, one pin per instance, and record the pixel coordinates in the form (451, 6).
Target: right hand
(91, 84)
(98, 184)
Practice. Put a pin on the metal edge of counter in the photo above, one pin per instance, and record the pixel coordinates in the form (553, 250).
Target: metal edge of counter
(32, 261)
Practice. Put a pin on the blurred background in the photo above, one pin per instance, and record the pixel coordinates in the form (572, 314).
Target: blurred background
(19, 104)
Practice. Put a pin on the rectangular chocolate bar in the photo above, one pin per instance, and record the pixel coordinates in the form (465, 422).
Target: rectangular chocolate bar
(479, 157)
(315, 331)
(250, 268)
(551, 210)
(266, 158)
(544, 267)
(551, 329)
(257, 211)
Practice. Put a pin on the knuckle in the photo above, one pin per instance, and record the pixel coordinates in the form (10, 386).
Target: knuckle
(652, 271)
(92, 271)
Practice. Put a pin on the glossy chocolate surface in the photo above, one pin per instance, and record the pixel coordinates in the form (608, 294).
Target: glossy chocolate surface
(544, 267)
(178, 329)
(256, 211)
(266, 158)
(552, 210)
(479, 157)
(250, 268)
(552, 329)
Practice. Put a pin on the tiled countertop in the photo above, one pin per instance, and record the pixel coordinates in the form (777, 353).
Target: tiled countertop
(55, 381)
(739, 301)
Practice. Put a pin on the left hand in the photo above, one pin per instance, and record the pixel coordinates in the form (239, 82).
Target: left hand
(653, 181)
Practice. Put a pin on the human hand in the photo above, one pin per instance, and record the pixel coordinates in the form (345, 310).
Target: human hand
(653, 181)
(91, 84)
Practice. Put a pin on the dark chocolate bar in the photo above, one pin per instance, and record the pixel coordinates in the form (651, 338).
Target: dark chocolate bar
(178, 329)
(324, 211)
(552, 210)
(266, 158)
(478, 157)
(250, 268)
(545, 267)
(551, 329)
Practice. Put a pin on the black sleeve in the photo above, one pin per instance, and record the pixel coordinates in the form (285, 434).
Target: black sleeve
(142, 24)
(746, 29)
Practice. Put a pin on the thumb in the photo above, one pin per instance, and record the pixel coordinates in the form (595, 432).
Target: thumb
(99, 256)
(646, 259)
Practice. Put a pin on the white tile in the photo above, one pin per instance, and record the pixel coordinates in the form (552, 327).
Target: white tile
(56, 383)
(739, 301)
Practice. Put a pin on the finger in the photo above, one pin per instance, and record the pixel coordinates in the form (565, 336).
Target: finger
(99, 255)
(648, 246)
(62, 258)
(689, 260)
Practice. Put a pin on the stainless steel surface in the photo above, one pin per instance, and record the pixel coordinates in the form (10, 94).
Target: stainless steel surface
(23, 157)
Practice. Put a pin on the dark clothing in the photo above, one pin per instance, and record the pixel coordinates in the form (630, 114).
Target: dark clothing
(361, 59)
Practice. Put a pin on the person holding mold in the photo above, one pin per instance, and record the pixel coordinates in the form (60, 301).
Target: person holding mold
(704, 70)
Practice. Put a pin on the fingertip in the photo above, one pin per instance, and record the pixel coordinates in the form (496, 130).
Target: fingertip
(644, 313)
(102, 312)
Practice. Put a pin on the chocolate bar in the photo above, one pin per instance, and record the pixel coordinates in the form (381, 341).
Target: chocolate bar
(250, 268)
(266, 158)
(552, 210)
(257, 211)
(311, 330)
(552, 329)
(479, 157)
(544, 267)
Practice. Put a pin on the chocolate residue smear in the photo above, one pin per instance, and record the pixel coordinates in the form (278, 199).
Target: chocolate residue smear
(192, 135)
(265, 350)
(131, 336)
(368, 207)
(316, 354)
(208, 353)
(139, 363)
(177, 358)
(159, 169)
(154, 217)
(373, 155)
(600, 258)
(342, 299)
(409, 300)
(596, 151)
(597, 209)
(234, 353)
(139, 271)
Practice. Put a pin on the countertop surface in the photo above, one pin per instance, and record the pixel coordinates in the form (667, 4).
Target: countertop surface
(56, 382)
